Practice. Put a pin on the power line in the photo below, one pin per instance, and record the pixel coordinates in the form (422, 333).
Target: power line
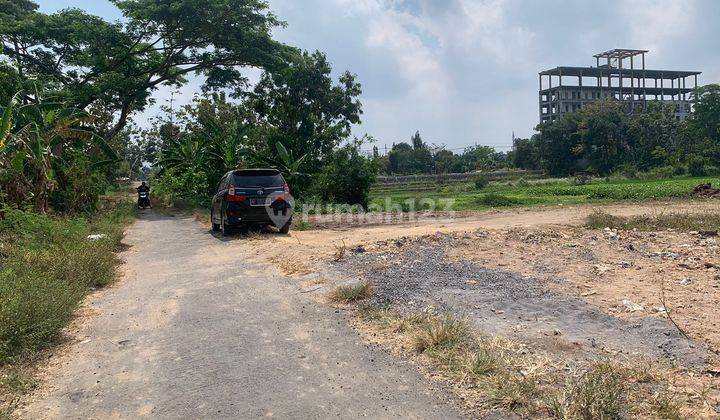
(458, 148)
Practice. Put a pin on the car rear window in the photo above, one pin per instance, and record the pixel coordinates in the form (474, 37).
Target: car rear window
(258, 179)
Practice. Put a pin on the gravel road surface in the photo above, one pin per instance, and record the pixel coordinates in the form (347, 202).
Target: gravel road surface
(192, 330)
(507, 304)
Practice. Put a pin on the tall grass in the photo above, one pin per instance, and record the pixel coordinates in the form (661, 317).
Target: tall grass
(47, 265)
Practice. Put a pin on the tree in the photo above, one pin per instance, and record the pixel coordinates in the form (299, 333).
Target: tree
(301, 107)
(399, 158)
(417, 141)
(347, 176)
(482, 158)
(526, 154)
(446, 161)
(654, 135)
(604, 136)
(87, 60)
(39, 143)
(558, 144)
(705, 122)
(706, 115)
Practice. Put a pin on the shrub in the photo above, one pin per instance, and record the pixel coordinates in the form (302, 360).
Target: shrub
(661, 172)
(712, 170)
(522, 182)
(180, 188)
(346, 177)
(627, 170)
(481, 181)
(679, 169)
(497, 200)
(696, 165)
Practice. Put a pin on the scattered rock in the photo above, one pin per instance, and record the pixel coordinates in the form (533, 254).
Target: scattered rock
(601, 269)
(611, 234)
(359, 249)
(631, 306)
(96, 237)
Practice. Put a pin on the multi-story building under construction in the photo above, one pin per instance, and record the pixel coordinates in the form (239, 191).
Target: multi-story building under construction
(617, 75)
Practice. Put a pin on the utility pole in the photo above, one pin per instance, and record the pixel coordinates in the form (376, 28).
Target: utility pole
(172, 111)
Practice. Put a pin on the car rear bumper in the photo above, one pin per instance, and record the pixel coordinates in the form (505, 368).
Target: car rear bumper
(255, 215)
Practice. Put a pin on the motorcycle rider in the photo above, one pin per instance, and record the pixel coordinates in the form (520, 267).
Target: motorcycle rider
(144, 188)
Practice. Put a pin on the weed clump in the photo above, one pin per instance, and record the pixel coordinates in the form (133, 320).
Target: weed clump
(481, 181)
(442, 332)
(597, 394)
(498, 200)
(350, 294)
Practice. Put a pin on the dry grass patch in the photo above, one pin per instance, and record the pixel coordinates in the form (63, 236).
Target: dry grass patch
(440, 333)
(351, 293)
(492, 373)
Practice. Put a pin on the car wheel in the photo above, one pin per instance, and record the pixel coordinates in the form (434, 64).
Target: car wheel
(224, 228)
(215, 226)
(286, 226)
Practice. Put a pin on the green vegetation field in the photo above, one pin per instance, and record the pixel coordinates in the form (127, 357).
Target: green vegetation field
(538, 192)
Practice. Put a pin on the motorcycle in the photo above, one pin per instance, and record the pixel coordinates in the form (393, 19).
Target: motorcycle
(143, 200)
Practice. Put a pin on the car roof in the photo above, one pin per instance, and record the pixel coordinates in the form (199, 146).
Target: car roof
(255, 172)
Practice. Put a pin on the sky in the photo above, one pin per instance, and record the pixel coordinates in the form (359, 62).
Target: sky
(465, 72)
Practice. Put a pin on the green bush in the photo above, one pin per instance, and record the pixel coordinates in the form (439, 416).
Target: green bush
(181, 189)
(346, 177)
(481, 181)
(49, 265)
(696, 165)
(498, 200)
(627, 170)
(712, 170)
(661, 172)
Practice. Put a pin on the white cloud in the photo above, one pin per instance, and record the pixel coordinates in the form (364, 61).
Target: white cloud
(397, 33)
(653, 23)
(483, 28)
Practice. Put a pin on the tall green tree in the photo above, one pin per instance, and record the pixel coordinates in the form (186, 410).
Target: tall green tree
(604, 136)
(302, 107)
(88, 60)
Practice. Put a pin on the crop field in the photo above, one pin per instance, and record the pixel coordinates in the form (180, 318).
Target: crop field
(524, 193)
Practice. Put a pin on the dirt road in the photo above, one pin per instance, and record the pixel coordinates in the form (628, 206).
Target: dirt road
(193, 330)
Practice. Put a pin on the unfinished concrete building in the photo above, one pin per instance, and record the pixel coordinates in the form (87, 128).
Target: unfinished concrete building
(617, 75)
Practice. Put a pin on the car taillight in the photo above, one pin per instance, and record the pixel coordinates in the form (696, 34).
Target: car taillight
(232, 197)
(286, 188)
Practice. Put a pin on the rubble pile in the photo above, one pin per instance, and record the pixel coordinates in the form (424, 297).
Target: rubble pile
(705, 190)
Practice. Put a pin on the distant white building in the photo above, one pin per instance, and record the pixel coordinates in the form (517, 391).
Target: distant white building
(612, 79)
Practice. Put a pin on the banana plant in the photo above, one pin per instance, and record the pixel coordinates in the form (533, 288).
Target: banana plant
(285, 161)
(34, 136)
(6, 124)
(183, 154)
